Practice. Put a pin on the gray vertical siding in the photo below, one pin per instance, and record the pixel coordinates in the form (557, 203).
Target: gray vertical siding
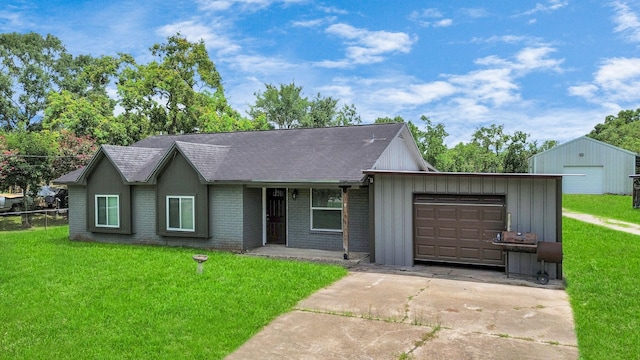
(530, 201)
(399, 155)
(617, 163)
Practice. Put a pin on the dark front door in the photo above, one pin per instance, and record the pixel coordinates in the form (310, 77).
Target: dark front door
(276, 216)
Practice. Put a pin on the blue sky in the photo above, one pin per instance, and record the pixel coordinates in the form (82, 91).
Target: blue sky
(551, 68)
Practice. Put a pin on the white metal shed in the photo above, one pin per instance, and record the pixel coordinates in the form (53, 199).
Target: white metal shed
(605, 168)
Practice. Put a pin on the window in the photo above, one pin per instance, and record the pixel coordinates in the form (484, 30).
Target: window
(326, 209)
(108, 211)
(181, 213)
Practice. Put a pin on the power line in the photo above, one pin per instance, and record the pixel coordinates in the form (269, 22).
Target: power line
(42, 156)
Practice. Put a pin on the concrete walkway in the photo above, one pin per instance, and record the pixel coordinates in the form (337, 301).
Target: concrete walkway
(627, 227)
(370, 315)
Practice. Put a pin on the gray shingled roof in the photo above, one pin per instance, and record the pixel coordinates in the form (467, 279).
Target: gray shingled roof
(334, 154)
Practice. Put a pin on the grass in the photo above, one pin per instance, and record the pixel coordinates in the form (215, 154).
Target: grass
(617, 207)
(67, 300)
(602, 267)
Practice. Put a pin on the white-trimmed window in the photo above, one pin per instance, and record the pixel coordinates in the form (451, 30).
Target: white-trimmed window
(108, 211)
(326, 209)
(181, 213)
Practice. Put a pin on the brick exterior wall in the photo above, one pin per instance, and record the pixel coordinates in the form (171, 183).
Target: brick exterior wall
(225, 216)
(78, 213)
(252, 218)
(300, 234)
(235, 220)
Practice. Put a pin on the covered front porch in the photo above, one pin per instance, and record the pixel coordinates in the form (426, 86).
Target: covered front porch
(284, 252)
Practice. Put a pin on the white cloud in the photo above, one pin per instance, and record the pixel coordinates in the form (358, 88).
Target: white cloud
(627, 21)
(615, 84)
(509, 39)
(475, 96)
(367, 47)
(430, 17)
(10, 20)
(213, 35)
(333, 10)
(259, 64)
(550, 5)
(246, 5)
(474, 13)
(314, 22)
(586, 91)
(415, 94)
(443, 23)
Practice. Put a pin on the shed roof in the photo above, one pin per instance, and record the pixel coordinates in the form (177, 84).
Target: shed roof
(330, 155)
(584, 138)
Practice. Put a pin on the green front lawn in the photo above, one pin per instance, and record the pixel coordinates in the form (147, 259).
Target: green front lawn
(617, 207)
(602, 269)
(73, 300)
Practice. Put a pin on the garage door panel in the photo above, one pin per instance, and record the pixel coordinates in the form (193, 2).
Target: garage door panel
(469, 214)
(473, 234)
(446, 213)
(469, 253)
(461, 229)
(447, 251)
(428, 250)
(425, 231)
(425, 213)
(450, 233)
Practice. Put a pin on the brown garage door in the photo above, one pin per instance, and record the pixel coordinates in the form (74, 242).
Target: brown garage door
(458, 229)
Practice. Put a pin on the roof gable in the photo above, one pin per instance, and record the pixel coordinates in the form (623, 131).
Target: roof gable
(584, 139)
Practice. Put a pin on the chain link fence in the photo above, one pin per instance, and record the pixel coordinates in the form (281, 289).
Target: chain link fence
(24, 220)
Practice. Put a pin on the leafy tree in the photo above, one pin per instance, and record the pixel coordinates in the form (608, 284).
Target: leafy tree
(430, 141)
(171, 91)
(320, 112)
(434, 148)
(622, 130)
(218, 116)
(347, 115)
(284, 107)
(90, 115)
(27, 163)
(490, 143)
(30, 67)
(73, 152)
(462, 158)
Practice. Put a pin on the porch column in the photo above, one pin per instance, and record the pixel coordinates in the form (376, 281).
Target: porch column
(345, 221)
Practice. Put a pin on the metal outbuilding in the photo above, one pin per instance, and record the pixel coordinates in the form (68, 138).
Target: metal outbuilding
(457, 218)
(605, 168)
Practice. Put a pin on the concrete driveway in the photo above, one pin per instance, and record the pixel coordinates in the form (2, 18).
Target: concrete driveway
(372, 315)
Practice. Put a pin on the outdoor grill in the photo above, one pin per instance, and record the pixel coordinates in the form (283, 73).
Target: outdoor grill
(528, 243)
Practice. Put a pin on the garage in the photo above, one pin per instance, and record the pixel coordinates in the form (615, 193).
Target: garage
(590, 183)
(459, 229)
